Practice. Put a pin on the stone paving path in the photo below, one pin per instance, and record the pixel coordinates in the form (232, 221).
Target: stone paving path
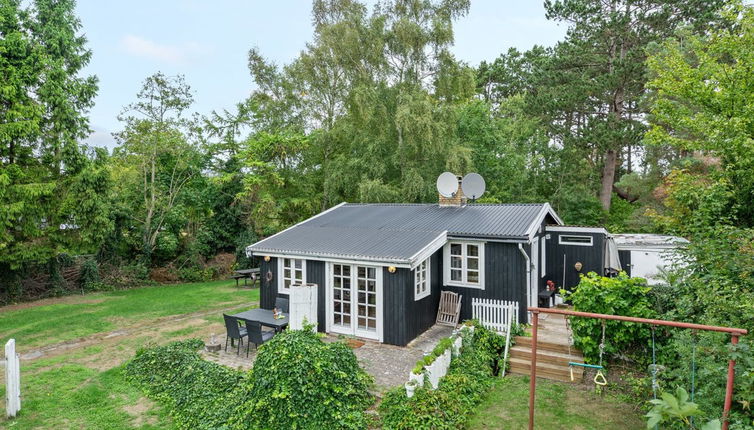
(389, 365)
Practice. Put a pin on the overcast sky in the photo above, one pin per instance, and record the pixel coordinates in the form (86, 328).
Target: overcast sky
(207, 41)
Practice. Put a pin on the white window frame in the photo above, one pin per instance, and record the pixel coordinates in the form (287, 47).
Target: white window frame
(281, 273)
(563, 241)
(464, 261)
(423, 279)
(543, 252)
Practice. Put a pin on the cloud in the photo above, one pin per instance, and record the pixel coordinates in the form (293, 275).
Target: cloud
(175, 54)
(100, 137)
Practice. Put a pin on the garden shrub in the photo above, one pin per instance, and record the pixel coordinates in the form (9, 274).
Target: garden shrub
(300, 382)
(620, 295)
(89, 275)
(199, 394)
(452, 403)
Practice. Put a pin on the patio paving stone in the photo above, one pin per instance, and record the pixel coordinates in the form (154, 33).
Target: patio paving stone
(389, 365)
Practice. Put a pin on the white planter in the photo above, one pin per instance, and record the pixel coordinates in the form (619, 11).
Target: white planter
(418, 378)
(438, 369)
(410, 389)
(457, 344)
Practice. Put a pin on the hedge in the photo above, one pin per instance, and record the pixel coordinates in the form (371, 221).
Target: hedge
(298, 382)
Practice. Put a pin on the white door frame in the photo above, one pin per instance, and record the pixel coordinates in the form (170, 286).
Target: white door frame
(353, 331)
(534, 275)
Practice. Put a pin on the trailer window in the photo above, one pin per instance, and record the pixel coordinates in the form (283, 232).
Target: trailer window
(572, 239)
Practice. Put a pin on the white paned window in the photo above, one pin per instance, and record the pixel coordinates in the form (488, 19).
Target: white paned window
(291, 271)
(422, 285)
(573, 239)
(464, 263)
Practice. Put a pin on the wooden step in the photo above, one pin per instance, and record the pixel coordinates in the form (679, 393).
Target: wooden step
(545, 356)
(546, 370)
(561, 348)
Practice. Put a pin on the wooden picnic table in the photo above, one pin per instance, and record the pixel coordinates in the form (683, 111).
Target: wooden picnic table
(245, 274)
(264, 317)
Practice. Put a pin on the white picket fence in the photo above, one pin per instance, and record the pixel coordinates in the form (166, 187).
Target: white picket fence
(12, 380)
(494, 314)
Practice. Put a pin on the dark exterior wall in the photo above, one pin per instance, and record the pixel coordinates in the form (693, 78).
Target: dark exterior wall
(403, 317)
(268, 289)
(591, 257)
(625, 261)
(504, 278)
(316, 274)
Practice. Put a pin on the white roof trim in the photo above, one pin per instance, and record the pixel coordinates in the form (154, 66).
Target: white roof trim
(249, 253)
(575, 229)
(429, 249)
(546, 210)
(336, 258)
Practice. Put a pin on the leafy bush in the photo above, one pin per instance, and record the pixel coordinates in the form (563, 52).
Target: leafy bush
(300, 382)
(676, 412)
(196, 274)
(89, 275)
(451, 404)
(199, 394)
(620, 295)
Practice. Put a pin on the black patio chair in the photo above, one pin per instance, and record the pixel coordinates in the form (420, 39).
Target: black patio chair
(256, 335)
(233, 332)
(282, 304)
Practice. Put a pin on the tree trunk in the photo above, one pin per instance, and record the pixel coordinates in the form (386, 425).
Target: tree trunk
(608, 178)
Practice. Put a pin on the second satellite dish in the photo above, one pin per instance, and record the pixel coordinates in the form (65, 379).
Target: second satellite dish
(447, 184)
(473, 186)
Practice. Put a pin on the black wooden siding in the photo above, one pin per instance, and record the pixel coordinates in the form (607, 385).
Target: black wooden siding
(316, 274)
(591, 258)
(504, 278)
(403, 317)
(625, 261)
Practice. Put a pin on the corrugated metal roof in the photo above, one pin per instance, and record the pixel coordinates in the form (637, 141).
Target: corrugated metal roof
(648, 240)
(399, 231)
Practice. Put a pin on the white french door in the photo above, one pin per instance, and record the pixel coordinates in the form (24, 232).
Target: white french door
(355, 300)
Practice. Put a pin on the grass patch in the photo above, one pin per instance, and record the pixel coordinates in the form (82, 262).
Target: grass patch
(43, 325)
(558, 406)
(74, 396)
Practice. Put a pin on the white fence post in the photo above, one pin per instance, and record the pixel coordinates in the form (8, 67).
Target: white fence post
(12, 380)
(496, 315)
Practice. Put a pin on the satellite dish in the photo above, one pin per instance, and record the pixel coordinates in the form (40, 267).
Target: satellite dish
(473, 185)
(447, 184)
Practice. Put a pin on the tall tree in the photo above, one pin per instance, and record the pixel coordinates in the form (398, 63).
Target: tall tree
(597, 75)
(157, 159)
(44, 170)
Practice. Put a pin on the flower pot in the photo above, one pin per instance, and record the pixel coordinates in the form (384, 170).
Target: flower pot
(410, 389)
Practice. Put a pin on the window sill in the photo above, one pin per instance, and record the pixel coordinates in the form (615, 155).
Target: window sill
(461, 284)
(423, 296)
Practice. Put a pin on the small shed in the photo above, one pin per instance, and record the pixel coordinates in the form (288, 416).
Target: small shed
(647, 255)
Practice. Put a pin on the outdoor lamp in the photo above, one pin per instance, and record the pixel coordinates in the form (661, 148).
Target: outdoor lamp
(391, 269)
(266, 258)
(578, 266)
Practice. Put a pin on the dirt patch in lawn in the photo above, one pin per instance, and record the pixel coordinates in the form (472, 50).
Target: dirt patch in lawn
(139, 412)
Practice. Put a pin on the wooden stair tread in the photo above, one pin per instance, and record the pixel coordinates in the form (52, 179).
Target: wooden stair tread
(575, 355)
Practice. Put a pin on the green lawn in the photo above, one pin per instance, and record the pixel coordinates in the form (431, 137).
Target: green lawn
(82, 387)
(558, 406)
(80, 316)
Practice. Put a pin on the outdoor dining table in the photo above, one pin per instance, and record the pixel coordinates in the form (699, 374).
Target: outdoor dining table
(264, 317)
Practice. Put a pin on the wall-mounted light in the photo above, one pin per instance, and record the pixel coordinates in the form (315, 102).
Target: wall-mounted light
(266, 258)
(578, 266)
(391, 269)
